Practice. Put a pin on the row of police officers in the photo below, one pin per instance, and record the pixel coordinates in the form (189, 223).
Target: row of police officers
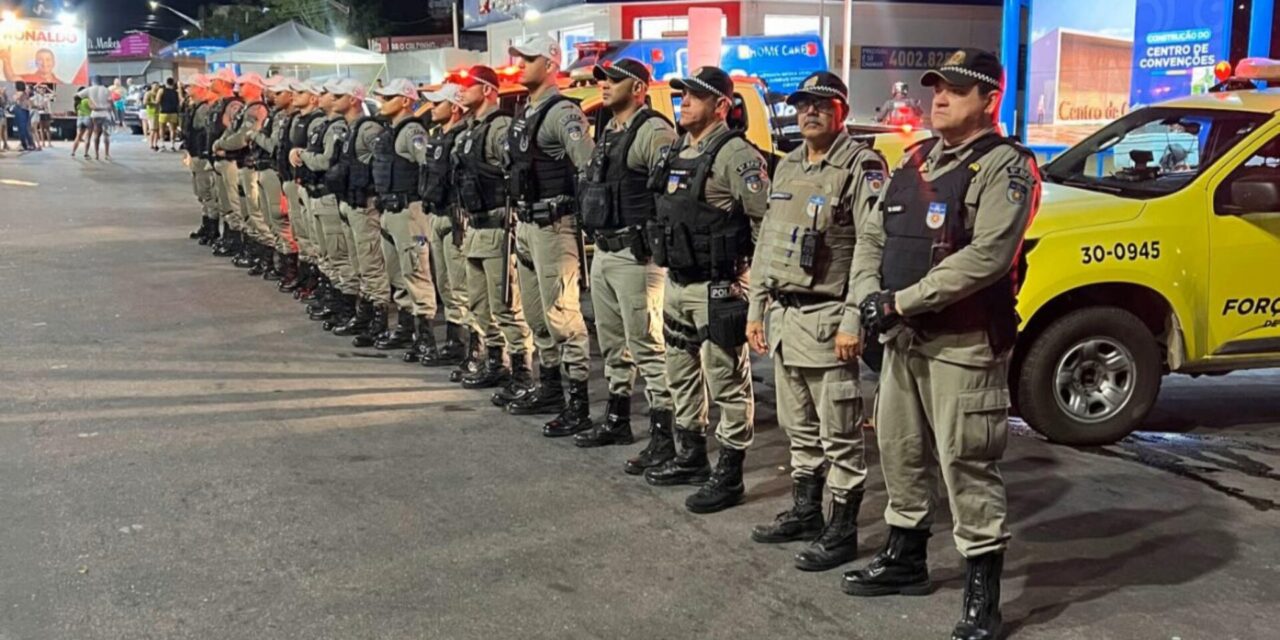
(379, 220)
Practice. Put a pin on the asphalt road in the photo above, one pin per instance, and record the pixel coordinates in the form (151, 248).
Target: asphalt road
(183, 455)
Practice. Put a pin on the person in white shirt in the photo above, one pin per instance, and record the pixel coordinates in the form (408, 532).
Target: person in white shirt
(101, 106)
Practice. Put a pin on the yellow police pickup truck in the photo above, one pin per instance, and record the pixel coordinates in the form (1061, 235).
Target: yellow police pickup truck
(1156, 250)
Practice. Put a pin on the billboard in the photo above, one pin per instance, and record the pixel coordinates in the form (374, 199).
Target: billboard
(43, 51)
(1176, 44)
(782, 62)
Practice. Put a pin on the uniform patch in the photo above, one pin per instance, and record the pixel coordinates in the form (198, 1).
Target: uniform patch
(673, 183)
(1017, 193)
(815, 205)
(419, 142)
(438, 153)
(937, 215)
(779, 195)
(754, 183)
(466, 148)
(524, 143)
(575, 132)
(874, 179)
(1019, 173)
(749, 167)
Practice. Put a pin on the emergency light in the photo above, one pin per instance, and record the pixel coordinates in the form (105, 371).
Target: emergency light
(1264, 69)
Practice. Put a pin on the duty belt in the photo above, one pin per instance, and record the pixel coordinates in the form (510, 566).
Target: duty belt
(616, 240)
(496, 219)
(797, 300)
(542, 213)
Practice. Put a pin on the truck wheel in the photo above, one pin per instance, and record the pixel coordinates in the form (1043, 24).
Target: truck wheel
(1090, 377)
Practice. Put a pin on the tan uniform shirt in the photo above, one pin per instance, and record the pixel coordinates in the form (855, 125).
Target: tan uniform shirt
(564, 131)
(1002, 198)
(240, 137)
(269, 143)
(320, 161)
(365, 136)
(654, 138)
(739, 174)
(810, 332)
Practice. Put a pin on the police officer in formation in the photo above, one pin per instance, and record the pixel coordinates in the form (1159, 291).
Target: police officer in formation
(283, 265)
(396, 153)
(936, 268)
(714, 192)
(831, 254)
(626, 286)
(479, 156)
(227, 187)
(548, 145)
(234, 147)
(439, 199)
(801, 284)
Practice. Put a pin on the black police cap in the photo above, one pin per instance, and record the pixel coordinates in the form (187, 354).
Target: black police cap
(821, 84)
(706, 81)
(967, 67)
(624, 69)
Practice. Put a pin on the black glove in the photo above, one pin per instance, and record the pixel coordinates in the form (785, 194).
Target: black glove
(878, 313)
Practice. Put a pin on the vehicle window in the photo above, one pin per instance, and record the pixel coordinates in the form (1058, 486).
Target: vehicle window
(1239, 192)
(737, 114)
(1152, 152)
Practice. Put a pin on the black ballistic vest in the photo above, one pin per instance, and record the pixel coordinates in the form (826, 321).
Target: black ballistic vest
(924, 222)
(693, 239)
(535, 175)
(315, 144)
(216, 128)
(299, 139)
(262, 159)
(614, 196)
(392, 174)
(348, 177)
(482, 187)
(284, 144)
(436, 176)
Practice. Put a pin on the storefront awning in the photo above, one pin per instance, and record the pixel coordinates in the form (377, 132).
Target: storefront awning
(119, 68)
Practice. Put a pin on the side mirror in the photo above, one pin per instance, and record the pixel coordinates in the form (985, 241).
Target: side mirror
(1255, 194)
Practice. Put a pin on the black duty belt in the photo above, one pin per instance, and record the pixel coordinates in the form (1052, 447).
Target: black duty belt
(797, 300)
(496, 219)
(616, 240)
(542, 213)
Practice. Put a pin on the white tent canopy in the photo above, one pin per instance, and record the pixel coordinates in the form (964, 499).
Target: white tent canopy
(294, 44)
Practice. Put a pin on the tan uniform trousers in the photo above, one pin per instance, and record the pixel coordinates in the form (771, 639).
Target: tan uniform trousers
(820, 408)
(549, 289)
(301, 223)
(203, 181)
(450, 270)
(227, 190)
(500, 322)
(363, 227)
(336, 257)
(626, 296)
(408, 230)
(255, 216)
(277, 211)
(705, 367)
(937, 418)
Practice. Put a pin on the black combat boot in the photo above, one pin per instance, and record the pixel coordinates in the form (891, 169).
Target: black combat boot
(289, 273)
(201, 230)
(400, 336)
(342, 312)
(518, 383)
(210, 235)
(546, 398)
(724, 488)
(448, 355)
(359, 321)
(376, 327)
(690, 466)
(981, 619)
(661, 447)
(803, 521)
(902, 567)
(576, 416)
(616, 428)
(317, 282)
(323, 300)
(838, 542)
(275, 266)
(248, 254)
(471, 364)
(424, 341)
(230, 244)
(262, 257)
(494, 373)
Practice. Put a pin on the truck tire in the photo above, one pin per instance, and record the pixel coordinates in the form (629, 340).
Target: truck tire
(1090, 377)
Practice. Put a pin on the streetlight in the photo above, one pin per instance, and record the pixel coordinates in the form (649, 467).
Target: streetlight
(156, 6)
(8, 15)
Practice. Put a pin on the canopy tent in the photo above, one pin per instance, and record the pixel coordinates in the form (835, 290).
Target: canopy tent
(294, 44)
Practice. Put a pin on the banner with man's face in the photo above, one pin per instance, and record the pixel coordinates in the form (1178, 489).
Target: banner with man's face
(43, 51)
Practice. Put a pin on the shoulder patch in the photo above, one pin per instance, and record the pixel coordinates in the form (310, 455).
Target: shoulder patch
(749, 167)
(754, 182)
(419, 141)
(1019, 173)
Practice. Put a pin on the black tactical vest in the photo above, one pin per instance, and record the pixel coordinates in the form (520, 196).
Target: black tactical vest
(435, 178)
(284, 144)
(262, 159)
(216, 128)
(314, 182)
(615, 196)
(482, 187)
(535, 175)
(392, 174)
(693, 239)
(350, 178)
(924, 222)
(188, 125)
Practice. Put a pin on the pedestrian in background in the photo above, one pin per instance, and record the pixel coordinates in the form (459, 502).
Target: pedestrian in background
(84, 124)
(168, 103)
(151, 115)
(4, 118)
(42, 116)
(22, 115)
(100, 109)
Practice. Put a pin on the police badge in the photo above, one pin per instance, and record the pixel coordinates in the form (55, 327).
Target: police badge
(937, 215)
(438, 153)
(814, 206)
(466, 148)
(673, 183)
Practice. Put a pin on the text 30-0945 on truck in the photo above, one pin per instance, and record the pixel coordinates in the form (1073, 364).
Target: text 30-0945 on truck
(1156, 250)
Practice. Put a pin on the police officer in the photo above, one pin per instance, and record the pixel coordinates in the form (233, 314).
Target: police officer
(284, 262)
(227, 177)
(236, 146)
(626, 287)
(549, 144)
(493, 292)
(306, 104)
(195, 143)
(800, 278)
(324, 142)
(936, 270)
(351, 181)
(396, 152)
(714, 191)
(435, 182)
